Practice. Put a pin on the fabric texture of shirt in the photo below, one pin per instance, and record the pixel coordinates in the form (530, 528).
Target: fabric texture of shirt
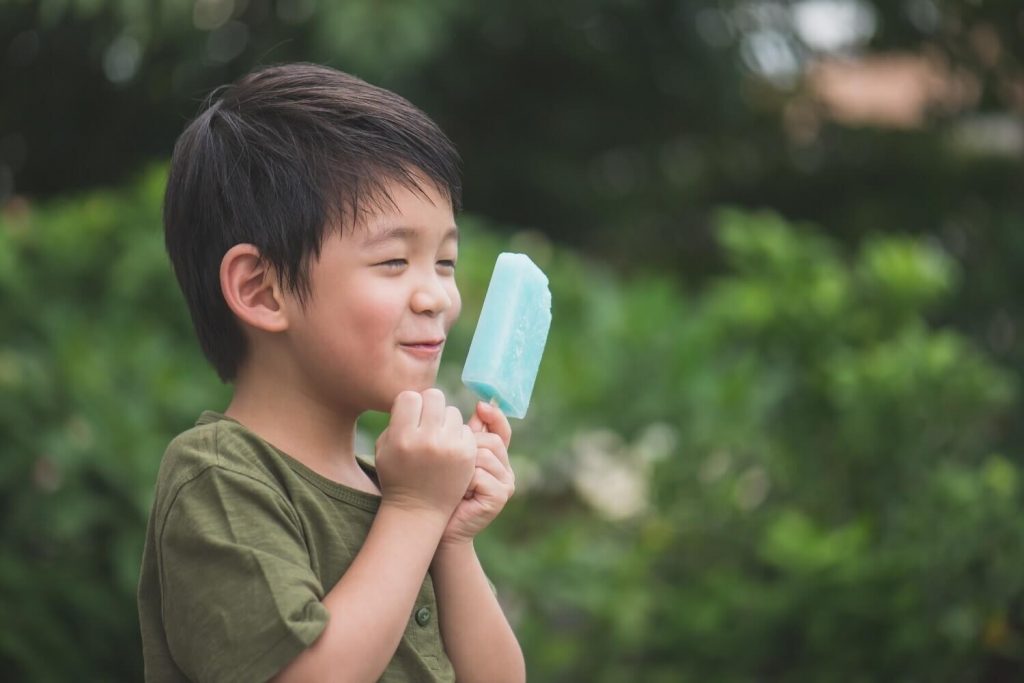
(242, 545)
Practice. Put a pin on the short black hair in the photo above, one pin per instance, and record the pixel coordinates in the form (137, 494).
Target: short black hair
(275, 160)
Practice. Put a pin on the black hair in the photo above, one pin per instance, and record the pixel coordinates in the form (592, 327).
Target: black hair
(277, 159)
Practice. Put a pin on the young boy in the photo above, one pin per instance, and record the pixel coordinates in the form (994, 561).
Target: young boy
(310, 220)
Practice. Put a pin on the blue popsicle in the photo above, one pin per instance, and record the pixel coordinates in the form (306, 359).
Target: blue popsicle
(505, 353)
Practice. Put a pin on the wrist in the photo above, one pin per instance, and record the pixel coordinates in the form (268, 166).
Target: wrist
(421, 519)
(454, 550)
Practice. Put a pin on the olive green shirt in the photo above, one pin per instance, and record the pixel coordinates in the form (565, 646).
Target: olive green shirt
(242, 545)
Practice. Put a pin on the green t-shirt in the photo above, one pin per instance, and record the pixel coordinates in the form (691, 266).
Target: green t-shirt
(243, 543)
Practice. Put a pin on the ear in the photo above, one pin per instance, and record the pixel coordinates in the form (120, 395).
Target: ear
(251, 289)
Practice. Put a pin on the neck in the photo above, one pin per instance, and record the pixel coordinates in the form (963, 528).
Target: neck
(280, 413)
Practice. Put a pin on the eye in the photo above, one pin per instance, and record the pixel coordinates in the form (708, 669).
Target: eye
(449, 264)
(393, 263)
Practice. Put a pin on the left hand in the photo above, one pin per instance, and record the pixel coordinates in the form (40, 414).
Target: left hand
(493, 480)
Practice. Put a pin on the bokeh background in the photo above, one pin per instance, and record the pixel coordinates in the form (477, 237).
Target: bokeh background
(777, 434)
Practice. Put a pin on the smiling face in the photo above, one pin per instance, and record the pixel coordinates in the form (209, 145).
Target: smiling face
(383, 299)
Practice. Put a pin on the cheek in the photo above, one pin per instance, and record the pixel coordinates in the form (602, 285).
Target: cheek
(456, 307)
(356, 329)
(375, 320)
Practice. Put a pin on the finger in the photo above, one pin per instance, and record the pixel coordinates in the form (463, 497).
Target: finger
(476, 424)
(453, 427)
(493, 443)
(490, 463)
(468, 439)
(495, 421)
(486, 487)
(405, 412)
(432, 416)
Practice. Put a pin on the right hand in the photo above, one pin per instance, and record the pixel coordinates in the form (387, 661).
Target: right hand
(426, 457)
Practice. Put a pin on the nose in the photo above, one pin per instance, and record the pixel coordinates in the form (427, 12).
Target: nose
(431, 296)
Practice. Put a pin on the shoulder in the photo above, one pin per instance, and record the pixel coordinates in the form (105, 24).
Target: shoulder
(214, 443)
(217, 449)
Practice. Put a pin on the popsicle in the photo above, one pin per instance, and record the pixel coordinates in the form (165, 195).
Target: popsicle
(507, 346)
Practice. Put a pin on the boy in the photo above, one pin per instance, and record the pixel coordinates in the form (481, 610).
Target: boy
(309, 217)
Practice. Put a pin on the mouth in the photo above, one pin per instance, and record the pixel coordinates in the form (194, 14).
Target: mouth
(427, 349)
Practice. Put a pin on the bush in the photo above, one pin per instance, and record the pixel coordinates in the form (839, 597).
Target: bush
(786, 476)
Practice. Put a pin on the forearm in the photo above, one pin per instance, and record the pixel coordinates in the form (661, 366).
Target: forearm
(477, 636)
(371, 603)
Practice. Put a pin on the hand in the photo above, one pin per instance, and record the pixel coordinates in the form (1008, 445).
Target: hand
(493, 481)
(425, 458)
(489, 418)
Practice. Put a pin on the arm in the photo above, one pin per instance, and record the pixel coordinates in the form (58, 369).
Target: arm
(424, 464)
(371, 603)
(477, 636)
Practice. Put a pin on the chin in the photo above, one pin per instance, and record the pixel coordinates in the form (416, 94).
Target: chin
(418, 386)
(388, 400)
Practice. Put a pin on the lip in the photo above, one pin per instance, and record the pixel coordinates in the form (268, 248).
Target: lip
(427, 350)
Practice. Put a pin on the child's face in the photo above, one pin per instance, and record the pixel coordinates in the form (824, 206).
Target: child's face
(383, 300)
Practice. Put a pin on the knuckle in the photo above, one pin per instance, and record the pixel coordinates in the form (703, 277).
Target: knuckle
(433, 443)
(403, 443)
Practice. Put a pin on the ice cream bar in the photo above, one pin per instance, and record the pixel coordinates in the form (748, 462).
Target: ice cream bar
(509, 340)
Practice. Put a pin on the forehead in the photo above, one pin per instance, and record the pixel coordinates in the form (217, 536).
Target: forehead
(375, 238)
(403, 212)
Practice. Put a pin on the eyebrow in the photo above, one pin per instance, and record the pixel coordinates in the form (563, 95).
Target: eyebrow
(405, 233)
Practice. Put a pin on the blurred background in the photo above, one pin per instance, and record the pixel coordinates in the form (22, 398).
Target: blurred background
(777, 435)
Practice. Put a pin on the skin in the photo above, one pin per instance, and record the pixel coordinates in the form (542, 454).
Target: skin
(370, 338)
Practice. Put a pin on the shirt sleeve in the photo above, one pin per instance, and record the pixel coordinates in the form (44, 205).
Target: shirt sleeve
(240, 600)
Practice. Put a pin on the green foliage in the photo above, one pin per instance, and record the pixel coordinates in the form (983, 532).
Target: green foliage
(787, 475)
(97, 367)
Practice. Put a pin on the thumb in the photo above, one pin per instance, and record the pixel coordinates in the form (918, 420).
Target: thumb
(475, 424)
